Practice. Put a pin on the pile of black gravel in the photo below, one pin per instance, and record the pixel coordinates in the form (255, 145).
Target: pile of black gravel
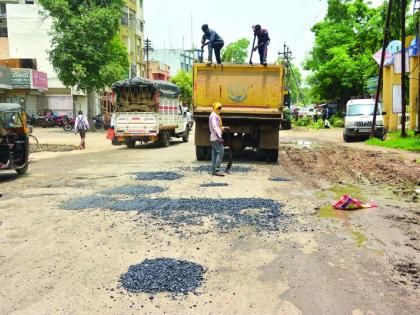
(163, 275)
(158, 176)
(134, 190)
(264, 214)
(279, 179)
(214, 185)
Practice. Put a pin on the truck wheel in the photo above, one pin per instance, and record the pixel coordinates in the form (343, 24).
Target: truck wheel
(347, 138)
(165, 139)
(208, 153)
(200, 153)
(273, 155)
(186, 135)
(22, 170)
(131, 144)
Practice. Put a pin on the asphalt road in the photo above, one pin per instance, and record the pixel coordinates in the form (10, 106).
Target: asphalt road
(57, 261)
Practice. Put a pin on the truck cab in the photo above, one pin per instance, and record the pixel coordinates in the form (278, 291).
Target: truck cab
(359, 119)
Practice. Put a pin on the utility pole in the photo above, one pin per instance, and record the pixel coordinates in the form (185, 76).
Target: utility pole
(403, 99)
(147, 48)
(381, 67)
(417, 8)
(287, 55)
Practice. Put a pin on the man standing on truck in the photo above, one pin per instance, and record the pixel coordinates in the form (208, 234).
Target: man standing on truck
(216, 139)
(214, 42)
(263, 41)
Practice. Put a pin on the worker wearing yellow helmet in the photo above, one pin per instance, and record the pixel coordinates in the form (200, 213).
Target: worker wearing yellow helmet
(216, 139)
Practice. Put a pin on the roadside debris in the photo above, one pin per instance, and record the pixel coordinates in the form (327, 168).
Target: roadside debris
(134, 190)
(158, 176)
(163, 275)
(346, 202)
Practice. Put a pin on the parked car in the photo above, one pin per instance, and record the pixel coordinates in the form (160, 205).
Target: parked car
(359, 119)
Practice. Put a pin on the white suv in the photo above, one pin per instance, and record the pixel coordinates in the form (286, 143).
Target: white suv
(359, 118)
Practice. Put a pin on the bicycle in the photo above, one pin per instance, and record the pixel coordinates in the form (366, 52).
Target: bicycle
(33, 143)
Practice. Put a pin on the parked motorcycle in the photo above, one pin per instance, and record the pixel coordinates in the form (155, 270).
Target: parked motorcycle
(98, 121)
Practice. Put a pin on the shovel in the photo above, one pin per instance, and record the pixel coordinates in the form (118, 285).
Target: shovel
(252, 50)
(202, 55)
(229, 165)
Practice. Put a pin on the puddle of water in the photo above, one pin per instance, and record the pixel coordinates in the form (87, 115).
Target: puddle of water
(359, 237)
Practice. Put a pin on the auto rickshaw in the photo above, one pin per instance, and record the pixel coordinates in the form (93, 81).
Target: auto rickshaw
(14, 138)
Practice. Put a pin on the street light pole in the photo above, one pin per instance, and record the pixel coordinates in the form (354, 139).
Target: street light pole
(403, 99)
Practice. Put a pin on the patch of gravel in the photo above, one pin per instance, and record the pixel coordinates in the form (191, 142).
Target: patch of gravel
(53, 148)
(279, 179)
(89, 202)
(158, 176)
(163, 275)
(207, 169)
(214, 185)
(264, 214)
(134, 190)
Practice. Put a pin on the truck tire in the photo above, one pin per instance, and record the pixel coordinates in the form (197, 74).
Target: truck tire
(165, 138)
(131, 144)
(273, 155)
(200, 153)
(186, 135)
(208, 153)
(348, 138)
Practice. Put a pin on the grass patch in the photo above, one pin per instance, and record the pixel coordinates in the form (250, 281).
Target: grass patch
(394, 140)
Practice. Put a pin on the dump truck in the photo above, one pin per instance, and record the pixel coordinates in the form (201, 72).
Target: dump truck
(148, 110)
(252, 100)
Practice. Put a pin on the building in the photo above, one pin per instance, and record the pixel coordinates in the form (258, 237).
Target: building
(24, 42)
(176, 59)
(157, 71)
(131, 32)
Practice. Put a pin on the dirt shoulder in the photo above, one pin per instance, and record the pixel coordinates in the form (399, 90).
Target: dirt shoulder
(335, 136)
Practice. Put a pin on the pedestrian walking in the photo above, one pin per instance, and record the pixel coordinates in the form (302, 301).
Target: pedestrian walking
(81, 126)
(263, 41)
(216, 139)
(215, 42)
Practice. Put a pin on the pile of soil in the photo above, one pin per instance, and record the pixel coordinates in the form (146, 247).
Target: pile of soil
(342, 163)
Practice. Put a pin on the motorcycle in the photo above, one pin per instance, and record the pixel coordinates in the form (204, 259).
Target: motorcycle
(98, 121)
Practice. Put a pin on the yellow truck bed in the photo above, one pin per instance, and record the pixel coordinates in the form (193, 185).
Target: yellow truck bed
(241, 88)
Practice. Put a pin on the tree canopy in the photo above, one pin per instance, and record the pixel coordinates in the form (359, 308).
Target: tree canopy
(236, 52)
(341, 58)
(86, 51)
(184, 81)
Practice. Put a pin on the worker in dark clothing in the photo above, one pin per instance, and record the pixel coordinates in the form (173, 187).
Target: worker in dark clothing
(263, 41)
(214, 42)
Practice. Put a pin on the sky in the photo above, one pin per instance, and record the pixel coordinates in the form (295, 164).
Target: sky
(168, 22)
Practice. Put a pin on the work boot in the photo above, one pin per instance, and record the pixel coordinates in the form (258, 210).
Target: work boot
(209, 62)
(220, 174)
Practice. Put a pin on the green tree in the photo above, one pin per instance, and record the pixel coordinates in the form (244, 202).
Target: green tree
(293, 83)
(341, 59)
(236, 52)
(184, 81)
(86, 51)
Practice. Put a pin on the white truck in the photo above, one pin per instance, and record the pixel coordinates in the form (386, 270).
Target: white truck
(359, 119)
(147, 111)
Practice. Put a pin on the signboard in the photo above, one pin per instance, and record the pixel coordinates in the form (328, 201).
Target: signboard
(29, 79)
(388, 57)
(21, 78)
(5, 78)
(39, 80)
(396, 99)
